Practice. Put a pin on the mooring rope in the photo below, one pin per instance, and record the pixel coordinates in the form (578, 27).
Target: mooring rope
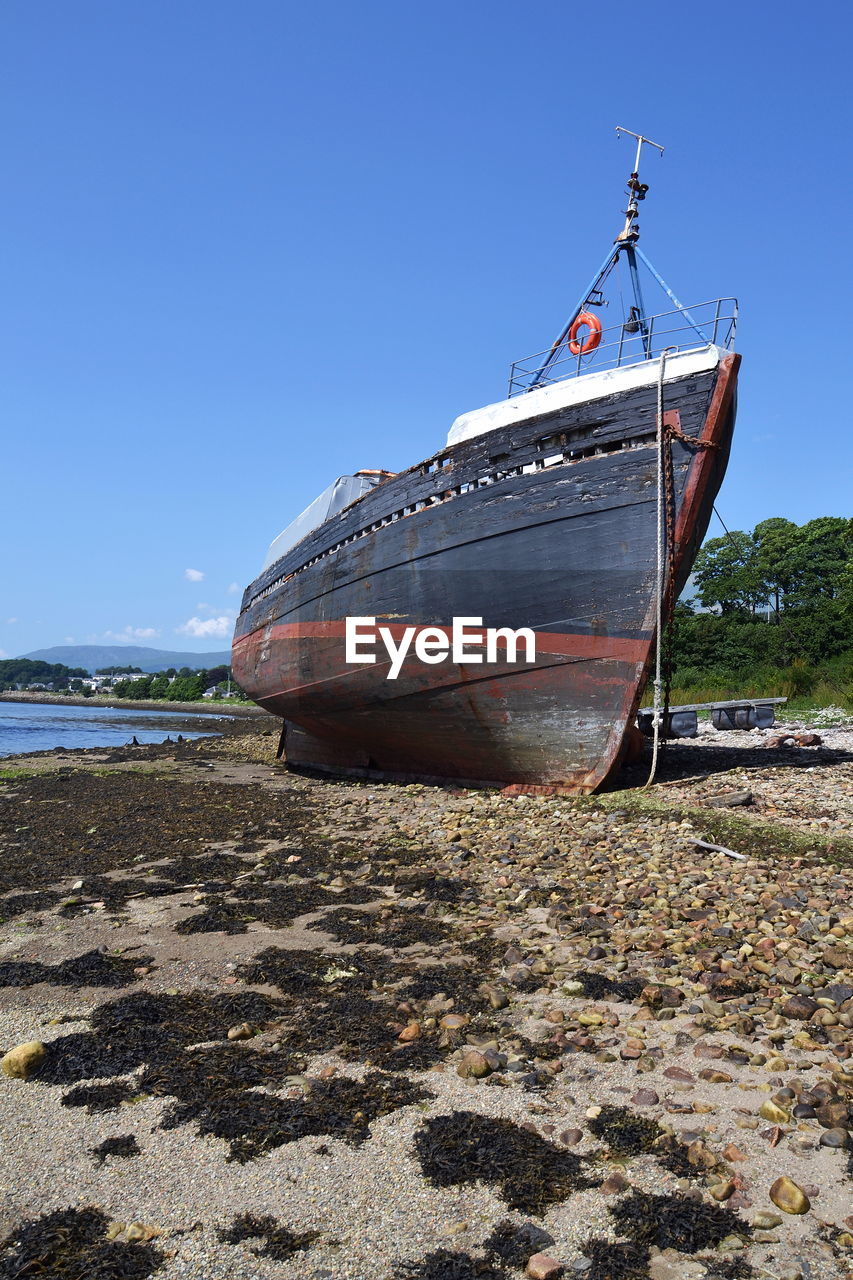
(660, 587)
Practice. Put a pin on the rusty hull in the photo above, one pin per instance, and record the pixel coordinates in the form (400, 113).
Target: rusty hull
(494, 528)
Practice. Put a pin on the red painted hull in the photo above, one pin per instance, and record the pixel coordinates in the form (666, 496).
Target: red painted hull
(355, 719)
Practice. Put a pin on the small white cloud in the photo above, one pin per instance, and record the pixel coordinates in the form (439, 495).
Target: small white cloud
(193, 575)
(3, 653)
(11, 621)
(233, 588)
(208, 628)
(132, 633)
(69, 640)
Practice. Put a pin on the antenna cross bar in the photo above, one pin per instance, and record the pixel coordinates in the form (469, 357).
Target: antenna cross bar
(640, 141)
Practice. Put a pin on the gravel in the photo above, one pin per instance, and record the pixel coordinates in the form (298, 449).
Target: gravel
(692, 957)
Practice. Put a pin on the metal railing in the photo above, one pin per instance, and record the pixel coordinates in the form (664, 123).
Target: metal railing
(631, 342)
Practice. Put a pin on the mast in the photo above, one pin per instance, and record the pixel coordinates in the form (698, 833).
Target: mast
(625, 243)
(630, 233)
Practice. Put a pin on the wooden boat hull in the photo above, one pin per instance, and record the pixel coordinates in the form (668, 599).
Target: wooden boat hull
(549, 523)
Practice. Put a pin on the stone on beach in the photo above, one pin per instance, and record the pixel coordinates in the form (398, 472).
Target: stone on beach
(731, 799)
(454, 1021)
(543, 1267)
(835, 1139)
(243, 1031)
(473, 1064)
(766, 1221)
(645, 1098)
(800, 1007)
(776, 1115)
(24, 1060)
(788, 1197)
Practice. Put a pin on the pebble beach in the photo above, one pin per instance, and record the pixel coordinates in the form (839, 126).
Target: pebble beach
(262, 1024)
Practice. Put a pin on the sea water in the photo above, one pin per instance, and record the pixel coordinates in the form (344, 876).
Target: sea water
(41, 726)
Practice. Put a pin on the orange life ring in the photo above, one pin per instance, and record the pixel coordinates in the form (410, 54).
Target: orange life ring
(592, 339)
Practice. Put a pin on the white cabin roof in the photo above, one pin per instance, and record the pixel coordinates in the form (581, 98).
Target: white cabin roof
(590, 386)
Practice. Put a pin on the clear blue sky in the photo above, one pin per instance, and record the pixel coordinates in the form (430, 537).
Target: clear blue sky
(250, 247)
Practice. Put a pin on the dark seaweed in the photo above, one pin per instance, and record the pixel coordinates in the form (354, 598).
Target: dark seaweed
(254, 1123)
(348, 1003)
(148, 1028)
(206, 869)
(515, 1244)
(672, 1154)
(732, 1269)
(445, 1265)
(459, 982)
(597, 987)
(674, 1222)
(70, 1244)
(274, 904)
(92, 969)
(211, 1086)
(423, 883)
(97, 823)
(215, 1073)
(624, 1132)
(530, 1172)
(114, 894)
(223, 917)
(626, 1261)
(346, 1014)
(99, 1097)
(280, 1243)
(297, 973)
(22, 904)
(357, 1027)
(123, 1146)
(385, 928)
(724, 987)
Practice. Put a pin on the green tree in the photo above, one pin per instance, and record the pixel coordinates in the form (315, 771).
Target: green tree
(727, 576)
(806, 572)
(24, 671)
(824, 552)
(775, 558)
(137, 688)
(186, 688)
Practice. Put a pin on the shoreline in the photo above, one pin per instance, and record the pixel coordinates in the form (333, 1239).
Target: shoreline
(241, 709)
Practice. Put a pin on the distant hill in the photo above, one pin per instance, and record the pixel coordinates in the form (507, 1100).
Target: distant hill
(95, 656)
